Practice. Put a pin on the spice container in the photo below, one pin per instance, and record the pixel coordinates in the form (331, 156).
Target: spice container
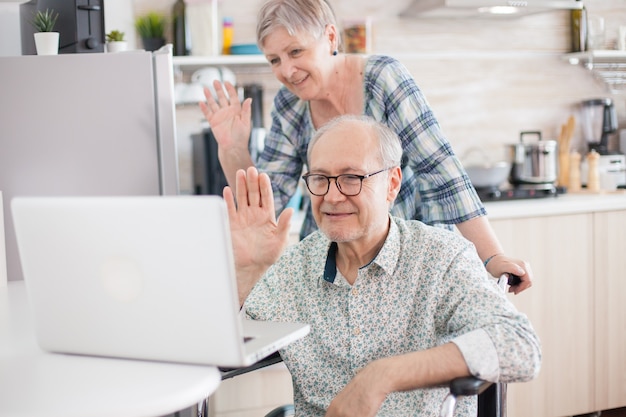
(593, 178)
(227, 35)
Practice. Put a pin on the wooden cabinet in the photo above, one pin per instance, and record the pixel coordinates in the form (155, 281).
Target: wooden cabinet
(610, 308)
(559, 305)
(577, 305)
(254, 394)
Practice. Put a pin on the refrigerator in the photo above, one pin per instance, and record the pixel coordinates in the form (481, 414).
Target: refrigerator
(85, 124)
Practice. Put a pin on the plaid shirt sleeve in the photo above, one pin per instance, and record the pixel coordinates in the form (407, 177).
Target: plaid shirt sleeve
(436, 188)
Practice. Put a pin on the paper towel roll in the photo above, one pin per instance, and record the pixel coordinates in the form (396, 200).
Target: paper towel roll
(3, 253)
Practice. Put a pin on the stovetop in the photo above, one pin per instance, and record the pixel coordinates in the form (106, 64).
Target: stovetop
(518, 192)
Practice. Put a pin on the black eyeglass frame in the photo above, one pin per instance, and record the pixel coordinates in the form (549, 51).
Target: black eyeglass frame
(306, 176)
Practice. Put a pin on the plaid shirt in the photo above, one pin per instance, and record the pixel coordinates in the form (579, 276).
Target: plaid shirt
(435, 188)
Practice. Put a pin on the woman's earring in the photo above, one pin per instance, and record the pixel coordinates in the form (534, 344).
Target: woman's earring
(335, 52)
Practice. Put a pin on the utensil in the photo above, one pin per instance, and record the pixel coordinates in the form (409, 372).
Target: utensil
(565, 138)
(483, 173)
(533, 163)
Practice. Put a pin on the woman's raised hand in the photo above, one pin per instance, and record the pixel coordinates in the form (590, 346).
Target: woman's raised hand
(229, 119)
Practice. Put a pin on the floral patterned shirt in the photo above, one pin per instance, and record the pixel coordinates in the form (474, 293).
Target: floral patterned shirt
(426, 287)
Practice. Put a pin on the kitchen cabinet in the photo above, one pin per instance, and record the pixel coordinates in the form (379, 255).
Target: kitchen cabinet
(559, 305)
(610, 308)
(576, 303)
(607, 65)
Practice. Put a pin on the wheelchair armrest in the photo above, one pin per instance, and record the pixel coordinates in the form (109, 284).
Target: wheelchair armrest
(468, 385)
(232, 372)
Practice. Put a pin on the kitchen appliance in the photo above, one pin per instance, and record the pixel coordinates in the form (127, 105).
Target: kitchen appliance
(80, 25)
(599, 120)
(208, 176)
(485, 8)
(86, 124)
(533, 163)
(508, 192)
(481, 171)
(257, 136)
(611, 170)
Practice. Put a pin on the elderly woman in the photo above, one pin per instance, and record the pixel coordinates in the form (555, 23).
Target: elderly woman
(301, 41)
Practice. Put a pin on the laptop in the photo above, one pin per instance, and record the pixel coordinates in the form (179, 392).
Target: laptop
(141, 277)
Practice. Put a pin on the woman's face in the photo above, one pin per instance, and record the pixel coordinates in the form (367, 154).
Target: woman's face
(301, 62)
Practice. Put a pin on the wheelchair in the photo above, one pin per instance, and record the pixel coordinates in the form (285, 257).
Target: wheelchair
(491, 396)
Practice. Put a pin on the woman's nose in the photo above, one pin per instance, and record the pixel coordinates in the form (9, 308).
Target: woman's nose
(287, 68)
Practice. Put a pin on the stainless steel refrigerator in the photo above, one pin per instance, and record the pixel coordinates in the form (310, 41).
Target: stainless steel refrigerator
(85, 124)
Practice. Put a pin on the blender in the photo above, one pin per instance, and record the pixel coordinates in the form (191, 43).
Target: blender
(599, 121)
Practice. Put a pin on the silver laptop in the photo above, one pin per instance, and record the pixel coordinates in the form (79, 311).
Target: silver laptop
(139, 277)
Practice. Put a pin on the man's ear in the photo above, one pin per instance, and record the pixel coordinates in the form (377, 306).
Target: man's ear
(395, 181)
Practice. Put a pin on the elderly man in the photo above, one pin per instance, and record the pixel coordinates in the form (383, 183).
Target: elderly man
(396, 308)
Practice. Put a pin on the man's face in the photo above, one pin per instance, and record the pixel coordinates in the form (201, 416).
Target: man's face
(351, 148)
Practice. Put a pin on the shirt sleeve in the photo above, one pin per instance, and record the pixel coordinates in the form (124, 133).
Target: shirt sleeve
(497, 341)
(443, 188)
(480, 354)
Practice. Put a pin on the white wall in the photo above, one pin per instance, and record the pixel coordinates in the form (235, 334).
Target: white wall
(486, 80)
(10, 44)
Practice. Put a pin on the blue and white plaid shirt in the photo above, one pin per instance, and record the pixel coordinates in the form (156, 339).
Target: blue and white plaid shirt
(435, 188)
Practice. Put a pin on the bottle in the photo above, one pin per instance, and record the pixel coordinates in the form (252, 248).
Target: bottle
(593, 181)
(227, 35)
(204, 27)
(579, 28)
(574, 172)
(180, 34)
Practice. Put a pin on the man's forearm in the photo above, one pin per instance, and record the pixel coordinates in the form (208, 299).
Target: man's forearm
(428, 368)
(247, 279)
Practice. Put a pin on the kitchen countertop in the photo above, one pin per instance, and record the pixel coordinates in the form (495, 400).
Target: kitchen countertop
(549, 206)
(559, 205)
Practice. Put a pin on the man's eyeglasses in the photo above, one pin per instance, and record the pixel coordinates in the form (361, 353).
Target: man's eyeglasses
(347, 184)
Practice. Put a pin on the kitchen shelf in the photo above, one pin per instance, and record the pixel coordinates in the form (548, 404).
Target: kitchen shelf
(194, 62)
(607, 65)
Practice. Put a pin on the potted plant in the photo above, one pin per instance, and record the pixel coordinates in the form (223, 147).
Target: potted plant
(115, 41)
(151, 29)
(46, 40)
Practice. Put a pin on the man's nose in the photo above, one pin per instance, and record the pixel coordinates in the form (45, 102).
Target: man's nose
(333, 193)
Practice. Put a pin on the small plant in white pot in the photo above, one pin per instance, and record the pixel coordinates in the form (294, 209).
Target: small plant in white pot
(46, 40)
(116, 42)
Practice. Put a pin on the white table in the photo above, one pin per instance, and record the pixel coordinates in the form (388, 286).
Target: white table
(34, 383)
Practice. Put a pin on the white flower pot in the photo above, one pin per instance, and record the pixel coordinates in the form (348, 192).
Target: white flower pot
(47, 43)
(117, 46)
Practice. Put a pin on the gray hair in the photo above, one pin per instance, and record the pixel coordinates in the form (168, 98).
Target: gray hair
(389, 145)
(308, 16)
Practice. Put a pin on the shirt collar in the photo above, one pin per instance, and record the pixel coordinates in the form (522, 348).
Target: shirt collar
(387, 258)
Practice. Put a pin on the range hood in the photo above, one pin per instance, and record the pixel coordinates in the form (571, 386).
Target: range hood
(490, 9)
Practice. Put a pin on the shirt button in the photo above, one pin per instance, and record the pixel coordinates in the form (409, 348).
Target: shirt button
(357, 331)
(355, 292)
